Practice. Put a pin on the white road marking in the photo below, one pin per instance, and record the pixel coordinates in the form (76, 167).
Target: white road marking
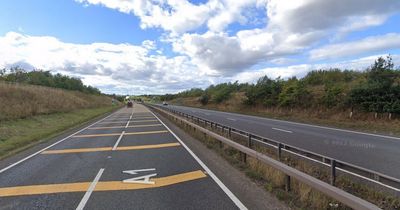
(127, 124)
(141, 179)
(278, 129)
(235, 200)
(90, 190)
(40, 151)
(231, 119)
(119, 139)
(206, 113)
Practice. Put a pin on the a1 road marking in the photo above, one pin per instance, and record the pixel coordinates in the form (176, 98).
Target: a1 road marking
(140, 179)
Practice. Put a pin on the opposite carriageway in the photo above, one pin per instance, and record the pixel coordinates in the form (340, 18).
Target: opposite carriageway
(370, 157)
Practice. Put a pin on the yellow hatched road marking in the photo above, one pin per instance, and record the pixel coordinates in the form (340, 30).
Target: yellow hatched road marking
(144, 120)
(117, 134)
(131, 126)
(111, 122)
(145, 132)
(63, 151)
(96, 135)
(101, 186)
(151, 146)
(101, 149)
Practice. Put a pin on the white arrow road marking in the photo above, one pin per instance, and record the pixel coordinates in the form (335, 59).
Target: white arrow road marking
(140, 179)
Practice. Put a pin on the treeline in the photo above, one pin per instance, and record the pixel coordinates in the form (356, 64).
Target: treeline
(45, 78)
(375, 90)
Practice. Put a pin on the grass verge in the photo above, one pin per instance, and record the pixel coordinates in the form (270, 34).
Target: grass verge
(18, 135)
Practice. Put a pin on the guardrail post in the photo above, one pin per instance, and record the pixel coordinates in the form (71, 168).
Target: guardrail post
(287, 183)
(377, 177)
(244, 156)
(333, 172)
(280, 151)
(249, 142)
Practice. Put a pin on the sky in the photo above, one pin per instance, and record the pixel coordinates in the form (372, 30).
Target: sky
(165, 46)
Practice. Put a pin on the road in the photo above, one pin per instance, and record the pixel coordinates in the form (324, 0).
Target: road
(128, 160)
(375, 152)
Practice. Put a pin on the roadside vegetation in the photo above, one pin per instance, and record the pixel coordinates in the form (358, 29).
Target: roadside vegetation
(365, 100)
(45, 78)
(20, 134)
(29, 114)
(23, 101)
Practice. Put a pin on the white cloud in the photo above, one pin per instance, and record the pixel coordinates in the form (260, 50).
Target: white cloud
(179, 16)
(123, 66)
(366, 45)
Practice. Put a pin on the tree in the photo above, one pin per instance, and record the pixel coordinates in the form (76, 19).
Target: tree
(294, 93)
(333, 95)
(204, 99)
(382, 72)
(379, 93)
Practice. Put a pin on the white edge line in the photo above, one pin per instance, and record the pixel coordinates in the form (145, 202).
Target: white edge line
(119, 139)
(40, 151)
(238, 203)
(231, 119)
(90, 190)
(278, 129)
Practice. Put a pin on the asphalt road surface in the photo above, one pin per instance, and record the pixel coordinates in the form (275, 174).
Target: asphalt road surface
(128, 160)
(376, 152)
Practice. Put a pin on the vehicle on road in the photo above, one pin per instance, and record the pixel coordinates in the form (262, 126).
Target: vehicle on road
(129, 104)
(165, 103)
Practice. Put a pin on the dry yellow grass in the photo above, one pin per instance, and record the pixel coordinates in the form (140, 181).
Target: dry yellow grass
(21, 101)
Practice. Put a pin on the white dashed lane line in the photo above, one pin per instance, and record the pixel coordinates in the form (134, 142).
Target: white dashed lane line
(286, 131)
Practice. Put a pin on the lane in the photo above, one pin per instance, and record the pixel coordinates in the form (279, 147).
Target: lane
(376, 152)
(128, 160)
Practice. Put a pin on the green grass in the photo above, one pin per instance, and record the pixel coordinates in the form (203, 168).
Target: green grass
(17, 135)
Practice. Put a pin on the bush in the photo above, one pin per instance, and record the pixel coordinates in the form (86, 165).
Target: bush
(204, 99)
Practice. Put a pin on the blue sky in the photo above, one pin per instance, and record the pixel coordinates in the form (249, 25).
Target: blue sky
(143, 47)
(72, 22)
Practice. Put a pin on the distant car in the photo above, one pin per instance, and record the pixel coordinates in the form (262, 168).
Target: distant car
(165, 103)
(129, 104)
